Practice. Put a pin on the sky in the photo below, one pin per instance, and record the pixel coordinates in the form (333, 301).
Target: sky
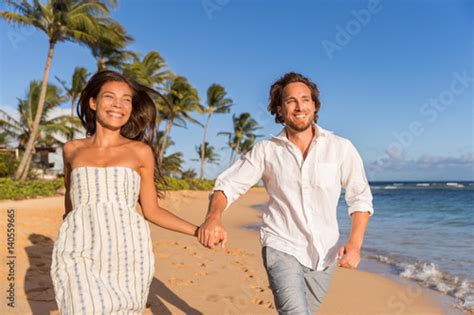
(396, 77)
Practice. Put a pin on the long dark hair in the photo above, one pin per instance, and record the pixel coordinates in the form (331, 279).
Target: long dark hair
(276, 93)
(141, 124)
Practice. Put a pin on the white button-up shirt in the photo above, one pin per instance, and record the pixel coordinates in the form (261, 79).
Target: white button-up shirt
(300, 217)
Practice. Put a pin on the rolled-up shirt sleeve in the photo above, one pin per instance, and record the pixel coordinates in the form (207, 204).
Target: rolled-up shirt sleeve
(243, 174)
(353, 179)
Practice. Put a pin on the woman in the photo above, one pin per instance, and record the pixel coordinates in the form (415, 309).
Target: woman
(102, 258)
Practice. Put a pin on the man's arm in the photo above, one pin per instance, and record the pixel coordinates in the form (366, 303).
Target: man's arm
(229, 186)
(359, 201)
(350, 253)
(212, 231)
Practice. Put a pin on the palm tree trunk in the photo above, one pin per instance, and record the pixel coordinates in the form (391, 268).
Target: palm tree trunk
(73, 100)
(169, 124)
(20, 173)
(235, 152)
(27, 168)
(71, 133)
(101, 64)
(157, 130)
(203, 149)
(157, 126)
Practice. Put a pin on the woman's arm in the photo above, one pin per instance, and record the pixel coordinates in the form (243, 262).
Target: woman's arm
(149, 201)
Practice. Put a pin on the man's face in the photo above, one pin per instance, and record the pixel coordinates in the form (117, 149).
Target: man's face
(297, 107)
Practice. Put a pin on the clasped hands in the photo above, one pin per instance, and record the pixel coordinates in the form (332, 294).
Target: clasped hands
(212, 233)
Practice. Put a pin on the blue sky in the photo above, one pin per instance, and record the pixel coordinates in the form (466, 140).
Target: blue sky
(396, 77)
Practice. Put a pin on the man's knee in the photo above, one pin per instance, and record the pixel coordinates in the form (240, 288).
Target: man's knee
(286, 279)
(317, 285)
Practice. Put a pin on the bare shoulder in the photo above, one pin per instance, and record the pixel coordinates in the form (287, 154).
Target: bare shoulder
(144, 152)
(70, 147)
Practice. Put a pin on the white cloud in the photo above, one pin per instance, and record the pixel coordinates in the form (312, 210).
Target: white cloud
(425, 166)
(59, 111)
(11, 110)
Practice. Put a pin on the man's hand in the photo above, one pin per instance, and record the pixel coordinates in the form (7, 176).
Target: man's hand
(211, 233)
(349, 256)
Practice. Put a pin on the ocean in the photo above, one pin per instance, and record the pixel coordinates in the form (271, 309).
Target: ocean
(422, 232)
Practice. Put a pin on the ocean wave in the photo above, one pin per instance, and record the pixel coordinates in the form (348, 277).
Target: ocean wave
(456, 185)
(423, 185)
(430, 276)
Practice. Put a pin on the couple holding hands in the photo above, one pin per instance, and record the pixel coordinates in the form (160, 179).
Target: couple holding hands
(102, 258)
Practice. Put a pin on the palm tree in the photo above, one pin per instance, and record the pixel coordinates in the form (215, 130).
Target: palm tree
(171, 163)
(78, 82)
(189, 173)
(21, 129)
(243, 137)
(209, 154)
(116, 59)
(153, 72)
(80, 21)
(110, 49)
(218, 103)
(183, 99)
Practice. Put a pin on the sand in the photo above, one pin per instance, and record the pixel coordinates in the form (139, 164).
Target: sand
(189, 278)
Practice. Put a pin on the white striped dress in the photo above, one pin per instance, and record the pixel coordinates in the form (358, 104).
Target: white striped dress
(103, 261)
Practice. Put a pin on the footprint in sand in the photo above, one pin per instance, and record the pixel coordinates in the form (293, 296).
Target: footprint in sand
(176, 281)
(266, 304)
(247, 271)
(238, 252)
(258, 288)
(217, 298)
(189, 247)
(238, 263)
(195, 254)
(179, 265)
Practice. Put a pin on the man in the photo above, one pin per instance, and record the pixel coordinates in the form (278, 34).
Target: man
(303, 168)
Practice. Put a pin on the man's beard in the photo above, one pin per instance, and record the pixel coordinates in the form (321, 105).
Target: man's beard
(299, 127)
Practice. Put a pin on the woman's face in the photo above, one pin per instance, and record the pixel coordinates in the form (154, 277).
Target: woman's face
(113, 104)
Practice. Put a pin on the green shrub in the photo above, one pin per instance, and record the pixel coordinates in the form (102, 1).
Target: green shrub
(10, 189)
(201, 184)
(188, 184)
(8, 164)
(173, 183)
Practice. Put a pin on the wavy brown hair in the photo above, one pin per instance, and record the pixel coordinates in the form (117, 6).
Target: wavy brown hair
(276, 93)
(141, 124)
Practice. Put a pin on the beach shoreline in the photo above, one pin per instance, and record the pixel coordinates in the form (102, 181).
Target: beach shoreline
(190, 279)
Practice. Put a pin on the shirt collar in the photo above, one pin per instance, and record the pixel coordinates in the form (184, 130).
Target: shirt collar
(321, 131)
